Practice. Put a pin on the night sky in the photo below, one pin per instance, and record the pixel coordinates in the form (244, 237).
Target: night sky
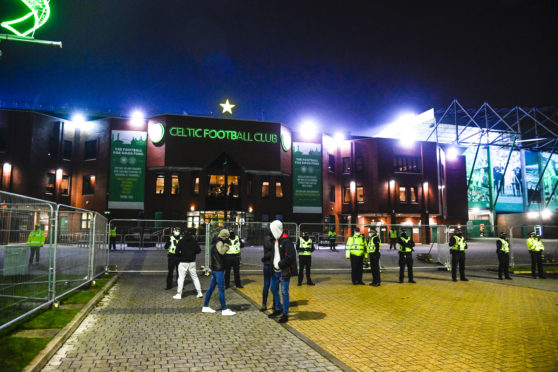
(349, 64)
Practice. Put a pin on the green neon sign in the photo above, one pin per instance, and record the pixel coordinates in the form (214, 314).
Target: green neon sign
(221, 134)
(40, 11)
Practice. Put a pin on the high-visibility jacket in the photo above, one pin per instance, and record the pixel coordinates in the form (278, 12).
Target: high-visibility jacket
(112, 232)
(36, 238)
(535, 245)
(406, 246)
(234, 247)
(460, 244)
(355, 246)
(505, 245)
(371, 246)
(393, 234)
(173, 243)
(305, 247)
(331, 235)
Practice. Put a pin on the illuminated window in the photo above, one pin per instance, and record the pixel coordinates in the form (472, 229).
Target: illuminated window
(278, 190)
(160, 184)
(406, 164)
(402, 194)
(67, 150)
(90, 150)
(216, 185)
(331, 163)
(196, 186)
(86, 220)
(232, 187)
(88, 186)
(50, 183)
(346, 194)
(332, 193)
(175, 186)
(65, 185)
(360, 194)
(265, 189)
(346, 165)
(413, 194)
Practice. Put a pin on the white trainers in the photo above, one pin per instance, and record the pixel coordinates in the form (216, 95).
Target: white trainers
(200, 295)
(177, 296)
(228, 312)
(207, 309)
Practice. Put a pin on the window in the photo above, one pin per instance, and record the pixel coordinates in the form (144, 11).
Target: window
(278, 190)
(85, 222)
(331, 163)
(160, 185)
(67, 150)
(346, 194)
(50, 183)
(90, 150)
(216, 185)
(196, 186)
(359, 164)
(407, 164)
(3, 137)
(402, 194)
(413, 194)
(54, 140)
(265, 189)
(249, 188)
(265, 217)
(346, 165)
(175, 185)
(332, 193)
(65, 185)
(232, 187)
(88, 186)
(360, 194)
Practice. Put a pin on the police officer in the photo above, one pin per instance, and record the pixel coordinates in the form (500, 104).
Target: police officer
(112, 235)
(536, 247)
(305, 247)
(36, 240)
(232, 260)
(354, 250)
(393, 238)
(458, 247)
(332, 236)
(406, 245)
(172, 258)
(373, 251)
(503, 252)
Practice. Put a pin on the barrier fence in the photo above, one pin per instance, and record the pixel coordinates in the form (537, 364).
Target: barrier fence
(73, 254)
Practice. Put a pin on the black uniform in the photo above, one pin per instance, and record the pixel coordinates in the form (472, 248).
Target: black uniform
(374, 253)
(405, 258)
(503, 259)
(172, 259)
(457, 259)
(304, 260)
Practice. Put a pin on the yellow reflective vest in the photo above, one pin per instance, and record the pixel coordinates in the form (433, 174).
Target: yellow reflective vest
(234, 247)
(173, 242)
(371, 246)
(393, 234)
(305, 247)
(505, 245)
(355, 246)
(460, 244)
(112, 232)
(331, 235)
(535, 245)
(36, 238)
(404, 248)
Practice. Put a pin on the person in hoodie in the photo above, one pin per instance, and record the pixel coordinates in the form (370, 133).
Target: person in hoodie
(186, 251)
(284, 266)
(219, 247)
(267, 260)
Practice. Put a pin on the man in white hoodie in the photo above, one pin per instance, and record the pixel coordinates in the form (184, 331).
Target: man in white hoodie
(284, 266)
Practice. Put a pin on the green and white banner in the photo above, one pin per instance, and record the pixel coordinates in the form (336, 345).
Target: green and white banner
(307, 177)
(127, 169)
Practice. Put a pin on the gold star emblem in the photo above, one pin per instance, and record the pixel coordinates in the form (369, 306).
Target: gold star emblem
(227, 107)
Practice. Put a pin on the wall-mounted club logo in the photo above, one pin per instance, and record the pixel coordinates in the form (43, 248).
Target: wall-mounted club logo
(286, 141)
(156, 132)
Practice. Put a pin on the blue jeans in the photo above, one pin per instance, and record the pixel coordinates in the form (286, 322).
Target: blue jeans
(267, 272)
(217, 279)
(275, 279)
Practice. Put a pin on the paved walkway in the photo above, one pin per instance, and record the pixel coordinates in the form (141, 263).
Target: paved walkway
(138, 326)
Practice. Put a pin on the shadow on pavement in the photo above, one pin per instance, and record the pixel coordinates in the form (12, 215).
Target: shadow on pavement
(298, 303)
(309, 315)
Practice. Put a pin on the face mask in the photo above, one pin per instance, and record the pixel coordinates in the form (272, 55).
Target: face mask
(176, 233)
(357, 234)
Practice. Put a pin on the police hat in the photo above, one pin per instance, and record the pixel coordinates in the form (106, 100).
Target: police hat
(357, 229)
(372, 231)
(532, 233)
(502, 234)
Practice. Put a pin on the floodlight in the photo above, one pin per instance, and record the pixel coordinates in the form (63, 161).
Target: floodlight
(7, 168)
(137, 118)
(338, 137)
(78, 118)
(308, 128)
(391, 184)
(425, 187)
(546, 214)
(59, 173)
(353, 186)
(452, 153)
(532, 215)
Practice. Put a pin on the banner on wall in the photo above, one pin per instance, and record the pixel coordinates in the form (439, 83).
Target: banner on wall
(550, 178)
(307, 177)
(510, 183)
(479, 187)
(127, 169)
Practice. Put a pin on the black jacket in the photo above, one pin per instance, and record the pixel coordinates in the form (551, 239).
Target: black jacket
(187, 249)
(287, 251)
(268, 246)
(217, 259)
